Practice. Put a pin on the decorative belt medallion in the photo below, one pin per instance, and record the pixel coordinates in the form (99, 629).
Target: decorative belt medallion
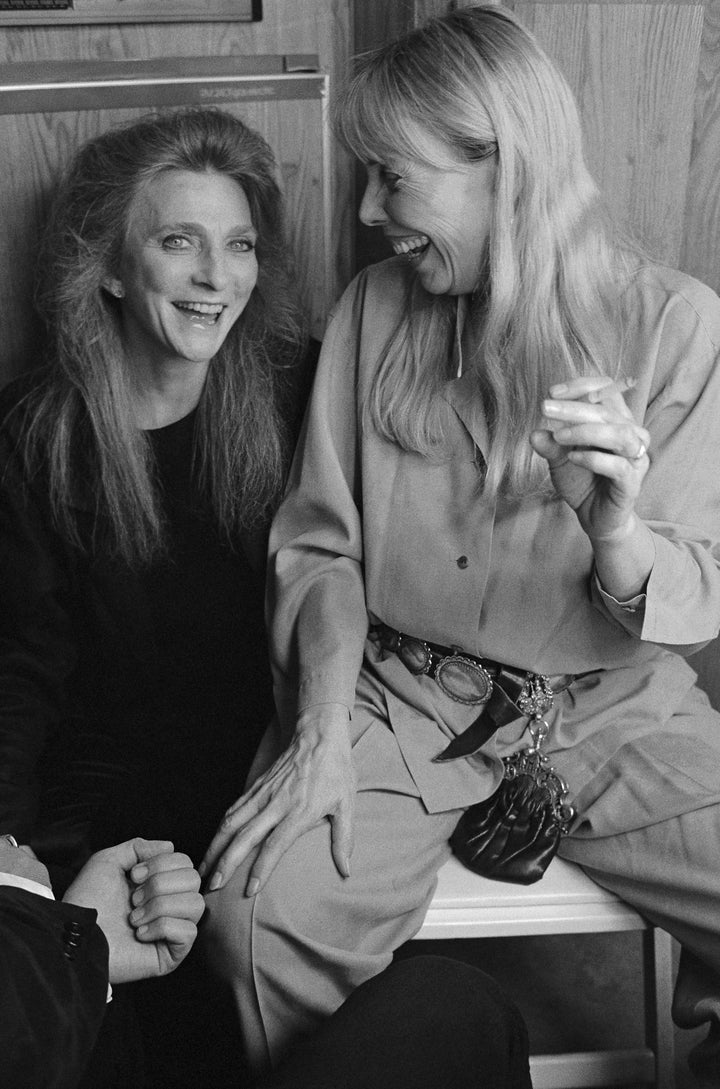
(462, 680)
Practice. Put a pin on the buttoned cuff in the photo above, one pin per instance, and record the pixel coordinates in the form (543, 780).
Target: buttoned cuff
(629, 614)
(38, 889)
(632, 605)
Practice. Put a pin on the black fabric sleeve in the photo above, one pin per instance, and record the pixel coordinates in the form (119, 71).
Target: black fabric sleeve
(53, 989)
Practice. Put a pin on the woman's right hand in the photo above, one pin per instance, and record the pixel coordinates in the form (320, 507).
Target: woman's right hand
(312, 780)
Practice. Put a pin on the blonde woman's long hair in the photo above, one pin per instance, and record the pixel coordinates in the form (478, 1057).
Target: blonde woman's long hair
(548, 304)
(79, 421)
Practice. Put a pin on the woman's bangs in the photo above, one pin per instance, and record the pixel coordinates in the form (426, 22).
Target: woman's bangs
(370, 123)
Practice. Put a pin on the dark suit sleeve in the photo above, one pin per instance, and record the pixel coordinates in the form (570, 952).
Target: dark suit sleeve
(53, 989)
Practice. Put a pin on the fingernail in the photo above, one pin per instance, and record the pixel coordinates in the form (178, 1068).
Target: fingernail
(201, 869)
(141, 931)
(215, 882)
(562, 388)
(139, 873)
(136, 916)
(138, 896)
(252, 886)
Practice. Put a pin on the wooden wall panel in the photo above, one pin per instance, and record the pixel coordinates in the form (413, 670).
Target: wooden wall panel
(701, 237)
(33, 145)
(129, 11)
(633, 69)
(375, 24)
(288, 26)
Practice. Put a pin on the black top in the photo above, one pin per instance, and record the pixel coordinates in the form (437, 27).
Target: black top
(131, 702)
(205, 600)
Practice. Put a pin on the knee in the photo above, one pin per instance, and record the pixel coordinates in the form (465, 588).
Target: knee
(424, 1022)
(452, 994)
(458, 1024)
(225, 928)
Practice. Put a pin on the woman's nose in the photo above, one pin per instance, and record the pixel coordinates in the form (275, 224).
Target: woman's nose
(212, 268)
(372, 207)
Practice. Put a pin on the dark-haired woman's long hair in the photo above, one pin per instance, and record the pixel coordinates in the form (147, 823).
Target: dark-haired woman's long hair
(80, 421)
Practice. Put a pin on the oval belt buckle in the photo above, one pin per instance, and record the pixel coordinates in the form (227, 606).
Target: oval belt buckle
(458, 674)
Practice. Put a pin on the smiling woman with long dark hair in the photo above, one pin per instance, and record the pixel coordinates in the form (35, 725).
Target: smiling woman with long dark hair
(140, 465)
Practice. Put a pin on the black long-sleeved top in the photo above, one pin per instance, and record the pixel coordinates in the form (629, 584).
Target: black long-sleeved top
(131, 701)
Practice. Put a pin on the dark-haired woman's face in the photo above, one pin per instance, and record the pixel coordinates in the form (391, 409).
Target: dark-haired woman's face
(188, 268)
(437, 217)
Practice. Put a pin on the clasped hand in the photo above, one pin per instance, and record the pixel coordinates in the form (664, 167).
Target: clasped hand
(311, 781)
(148, 903)
(596, 453)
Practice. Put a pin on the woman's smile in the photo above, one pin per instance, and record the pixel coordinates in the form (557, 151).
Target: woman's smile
(201, 314)
(412, 248)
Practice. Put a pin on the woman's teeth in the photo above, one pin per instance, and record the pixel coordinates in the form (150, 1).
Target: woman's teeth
(411, 247)
(203, 313)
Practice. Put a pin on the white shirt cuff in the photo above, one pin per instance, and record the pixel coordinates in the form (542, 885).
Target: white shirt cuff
(27, 884)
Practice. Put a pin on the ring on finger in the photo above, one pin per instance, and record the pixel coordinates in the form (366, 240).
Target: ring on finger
(642, 451)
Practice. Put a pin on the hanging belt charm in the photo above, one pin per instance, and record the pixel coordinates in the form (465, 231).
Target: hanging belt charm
(535, 700)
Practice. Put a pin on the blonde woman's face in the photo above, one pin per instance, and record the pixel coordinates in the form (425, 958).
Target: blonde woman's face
(437, 218)
(188, 268)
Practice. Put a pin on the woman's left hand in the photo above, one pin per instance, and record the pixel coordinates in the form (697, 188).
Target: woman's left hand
(597, 454)
(311, 781)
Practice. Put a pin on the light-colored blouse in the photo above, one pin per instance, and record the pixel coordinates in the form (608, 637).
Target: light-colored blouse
(368, 531)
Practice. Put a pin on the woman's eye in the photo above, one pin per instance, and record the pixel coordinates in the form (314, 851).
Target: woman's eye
(390, 180)
(242, 245)
(176, 242)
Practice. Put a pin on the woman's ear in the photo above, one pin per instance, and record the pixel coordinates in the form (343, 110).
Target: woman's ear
(114, 287)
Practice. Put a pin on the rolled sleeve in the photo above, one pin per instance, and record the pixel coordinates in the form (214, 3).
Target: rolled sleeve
(680, 498)
(316, 602)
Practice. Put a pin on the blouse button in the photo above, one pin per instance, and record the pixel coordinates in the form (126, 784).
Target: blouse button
(462, 562)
